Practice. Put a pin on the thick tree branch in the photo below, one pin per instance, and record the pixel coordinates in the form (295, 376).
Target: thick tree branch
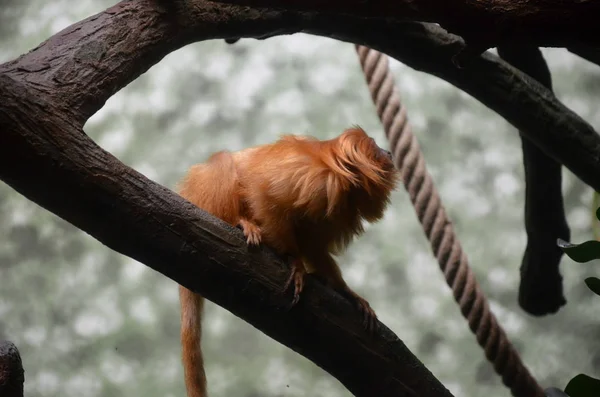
(485, 23)
(86, 63)
(521, 100)
(47, 157)
(48, 94)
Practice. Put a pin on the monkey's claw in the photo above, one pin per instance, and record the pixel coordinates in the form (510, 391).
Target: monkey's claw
(297, 276)
(369, 316)
(251, 231)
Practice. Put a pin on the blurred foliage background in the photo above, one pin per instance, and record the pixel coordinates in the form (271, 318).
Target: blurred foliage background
(91, 322)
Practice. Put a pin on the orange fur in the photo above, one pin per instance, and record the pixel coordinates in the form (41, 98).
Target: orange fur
(304, 198)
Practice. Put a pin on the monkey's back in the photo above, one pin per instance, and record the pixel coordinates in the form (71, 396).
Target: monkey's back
(214, 187)
(287, 189)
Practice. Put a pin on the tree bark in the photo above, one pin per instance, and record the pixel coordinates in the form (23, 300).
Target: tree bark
(86, 63)
(47, 95)
(541, 288)
(12, 376)
(48, 159)
(484, 23)
(524, 102)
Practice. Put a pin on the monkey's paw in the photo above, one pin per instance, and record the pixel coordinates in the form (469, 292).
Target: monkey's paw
(297, 276)
(251, 231)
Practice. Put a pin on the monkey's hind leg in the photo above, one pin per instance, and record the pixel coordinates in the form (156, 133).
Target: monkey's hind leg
(297, 276)
(327, 269)
(251, 231)
(369, 316)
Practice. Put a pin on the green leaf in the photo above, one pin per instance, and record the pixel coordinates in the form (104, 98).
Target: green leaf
(598, 212)
(593, 283)
(583, 386)
(583, 252)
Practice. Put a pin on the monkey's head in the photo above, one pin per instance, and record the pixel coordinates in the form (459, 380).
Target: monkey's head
(366, 171)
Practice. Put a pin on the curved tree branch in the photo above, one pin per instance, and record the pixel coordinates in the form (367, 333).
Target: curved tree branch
(100, 49)
(521, 100)
(45, 156)
(47, 95)
(484, 23)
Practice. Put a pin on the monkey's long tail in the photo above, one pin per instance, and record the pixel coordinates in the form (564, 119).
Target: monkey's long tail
(192, 306)
(438, 228)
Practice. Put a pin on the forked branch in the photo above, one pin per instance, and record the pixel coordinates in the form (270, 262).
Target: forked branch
(47, 95)
(47, 158)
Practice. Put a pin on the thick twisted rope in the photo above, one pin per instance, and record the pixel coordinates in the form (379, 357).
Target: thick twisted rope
(439, 230)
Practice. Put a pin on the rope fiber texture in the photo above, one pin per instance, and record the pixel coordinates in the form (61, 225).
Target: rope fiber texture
(439, 230)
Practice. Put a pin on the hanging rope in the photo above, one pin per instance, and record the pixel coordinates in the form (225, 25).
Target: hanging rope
(445, 245)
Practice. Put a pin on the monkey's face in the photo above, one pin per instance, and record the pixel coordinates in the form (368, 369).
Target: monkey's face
(364, 151)
(381, 156)
(371, 167)
(365, 174)
(371, 172)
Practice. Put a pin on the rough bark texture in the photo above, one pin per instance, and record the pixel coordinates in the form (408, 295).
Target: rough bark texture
(91, 60)
(12, 376)
(521, 100)
(483, 23)
(50, 160)
(47, 95)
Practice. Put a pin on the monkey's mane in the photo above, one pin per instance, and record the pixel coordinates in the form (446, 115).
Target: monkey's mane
(349, 163)
(356, 157)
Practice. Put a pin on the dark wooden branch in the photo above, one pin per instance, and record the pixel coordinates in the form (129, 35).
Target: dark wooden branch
(484, 23)
(541, 289)
(46, 157)
(47, 95)
(102, 44)
(12, 375)
(521, 100)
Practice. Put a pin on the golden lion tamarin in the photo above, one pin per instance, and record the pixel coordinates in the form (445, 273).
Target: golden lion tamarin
(303, 197)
